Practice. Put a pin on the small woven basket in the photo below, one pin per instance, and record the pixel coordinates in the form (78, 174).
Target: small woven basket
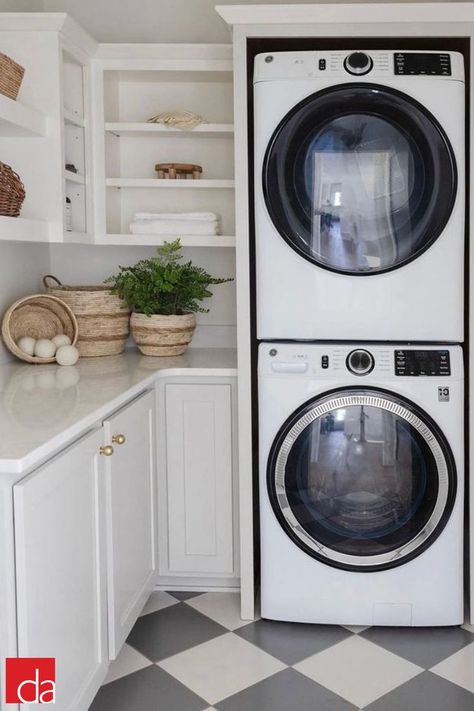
(104, 323)
(11, 76)
(38, 316)
(12, 192)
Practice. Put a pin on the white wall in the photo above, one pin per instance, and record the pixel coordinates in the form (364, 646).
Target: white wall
(21, 269)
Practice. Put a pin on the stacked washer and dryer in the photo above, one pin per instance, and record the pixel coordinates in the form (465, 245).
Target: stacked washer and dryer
(359, 237)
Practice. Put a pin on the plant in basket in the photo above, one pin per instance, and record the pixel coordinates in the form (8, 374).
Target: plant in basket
(164, 295)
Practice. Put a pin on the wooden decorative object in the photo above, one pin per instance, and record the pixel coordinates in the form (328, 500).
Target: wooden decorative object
(162, 335)
(103, 319)
(11, 76)
(38, 316)
(12, 192)
(178, 171)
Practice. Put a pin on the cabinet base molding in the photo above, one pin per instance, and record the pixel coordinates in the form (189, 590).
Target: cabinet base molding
(198, 588)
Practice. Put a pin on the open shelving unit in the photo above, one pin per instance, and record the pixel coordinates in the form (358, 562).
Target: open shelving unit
(132, 89)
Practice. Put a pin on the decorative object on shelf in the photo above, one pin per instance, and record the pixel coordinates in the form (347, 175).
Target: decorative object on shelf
(102, 316)
(67, 355)
(68, 215)
(163, 295)
(71, 167)
(11, 76)
(175, 223)
(12, 192)
(178, 171)
(39, 317)
(186, 120)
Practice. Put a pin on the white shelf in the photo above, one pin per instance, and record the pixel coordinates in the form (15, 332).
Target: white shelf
(17, 120)
(152, 240)
(204, 130)
(166, 183)
(74, 177)
(22, 229)
(73, 119)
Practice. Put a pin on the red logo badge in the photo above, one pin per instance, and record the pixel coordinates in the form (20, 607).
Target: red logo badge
(30, 680)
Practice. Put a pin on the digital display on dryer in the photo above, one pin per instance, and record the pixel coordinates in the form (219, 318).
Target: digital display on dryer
(422, 363)
(419, 63)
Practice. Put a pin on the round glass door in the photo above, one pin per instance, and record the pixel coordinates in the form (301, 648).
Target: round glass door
(359, 179)
(361, 479)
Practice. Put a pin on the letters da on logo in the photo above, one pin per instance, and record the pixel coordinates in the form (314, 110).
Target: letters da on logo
(30, 680)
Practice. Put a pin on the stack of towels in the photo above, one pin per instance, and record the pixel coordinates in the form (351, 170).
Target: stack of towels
(175, 223)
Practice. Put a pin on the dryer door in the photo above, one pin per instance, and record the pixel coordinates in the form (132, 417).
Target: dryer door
(361, 479)
(359, 179)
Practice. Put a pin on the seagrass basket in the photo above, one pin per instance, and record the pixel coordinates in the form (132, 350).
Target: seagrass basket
(11, 76)
(12, 192)
(38, 316)
(102, 318)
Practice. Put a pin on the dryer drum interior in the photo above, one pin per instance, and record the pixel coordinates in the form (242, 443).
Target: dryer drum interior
(361, 479)
(359, 178)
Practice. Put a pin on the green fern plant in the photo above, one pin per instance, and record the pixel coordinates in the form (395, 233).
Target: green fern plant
(163, 284)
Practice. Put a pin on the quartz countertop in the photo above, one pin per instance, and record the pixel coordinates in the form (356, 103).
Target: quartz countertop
(43, 407)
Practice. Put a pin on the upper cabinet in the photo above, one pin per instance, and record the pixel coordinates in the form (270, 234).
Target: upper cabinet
(131, 84)
(37, 138)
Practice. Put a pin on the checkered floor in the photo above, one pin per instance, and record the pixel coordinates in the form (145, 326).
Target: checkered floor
(192, 652)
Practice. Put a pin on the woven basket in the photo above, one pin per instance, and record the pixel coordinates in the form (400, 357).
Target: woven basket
(104, 323)
(12, 192)
(38, 316)
(11, 76)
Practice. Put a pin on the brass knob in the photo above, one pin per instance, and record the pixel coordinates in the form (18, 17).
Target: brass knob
(119, 439)
(107, 451)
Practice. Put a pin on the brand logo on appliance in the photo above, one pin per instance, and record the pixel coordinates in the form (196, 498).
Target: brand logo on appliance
(30, 680)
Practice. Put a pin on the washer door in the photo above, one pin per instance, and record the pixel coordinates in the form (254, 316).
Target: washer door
(359, 179)
(361, 479)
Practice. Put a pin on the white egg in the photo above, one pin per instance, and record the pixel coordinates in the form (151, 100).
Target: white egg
(61, 340)
(67, 355)
(44, 348)
(27, 345)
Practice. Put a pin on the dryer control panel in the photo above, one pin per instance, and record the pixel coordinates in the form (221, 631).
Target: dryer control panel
(430, 64)
(422, 362)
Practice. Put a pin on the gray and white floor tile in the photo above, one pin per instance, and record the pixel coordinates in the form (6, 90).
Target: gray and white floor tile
(192, 652)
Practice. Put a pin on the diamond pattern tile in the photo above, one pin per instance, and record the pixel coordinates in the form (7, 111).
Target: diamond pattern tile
(171, 631)
(424, 646)
(291, 642)
(192, 652)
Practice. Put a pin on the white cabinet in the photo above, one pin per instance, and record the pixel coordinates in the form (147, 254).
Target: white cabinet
(60, 570)
(130, 515)
(198, 516)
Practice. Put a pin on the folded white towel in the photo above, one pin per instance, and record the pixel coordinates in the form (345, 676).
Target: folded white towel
(173, 227)
(192, 216)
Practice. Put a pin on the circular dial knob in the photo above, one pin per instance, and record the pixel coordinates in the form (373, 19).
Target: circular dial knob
(358, 63)
(360, 362)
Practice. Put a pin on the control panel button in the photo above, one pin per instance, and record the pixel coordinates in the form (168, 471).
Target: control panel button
(322, 65)
(360, 362)
(358, 63)
(325, 362)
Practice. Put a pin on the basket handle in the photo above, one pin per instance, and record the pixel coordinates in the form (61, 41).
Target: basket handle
(50, 276)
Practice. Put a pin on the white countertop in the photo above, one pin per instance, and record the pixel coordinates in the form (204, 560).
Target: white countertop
(42, 407)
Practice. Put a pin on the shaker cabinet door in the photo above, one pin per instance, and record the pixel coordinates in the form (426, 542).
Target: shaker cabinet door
(200, 511)
(130, 515)
(60, 569)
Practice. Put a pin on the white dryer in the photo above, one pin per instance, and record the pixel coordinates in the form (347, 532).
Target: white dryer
(361, 484)
(359, 195)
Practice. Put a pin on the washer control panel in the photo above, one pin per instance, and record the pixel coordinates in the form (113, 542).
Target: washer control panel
(422, 63)
(422, 362)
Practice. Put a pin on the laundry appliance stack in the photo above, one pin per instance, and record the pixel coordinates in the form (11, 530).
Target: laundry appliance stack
(359, 234)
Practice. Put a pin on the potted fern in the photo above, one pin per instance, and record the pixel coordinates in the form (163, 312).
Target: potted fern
(164, 295)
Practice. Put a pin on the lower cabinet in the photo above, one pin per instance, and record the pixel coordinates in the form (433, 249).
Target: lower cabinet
(130, 516)
(85, 550)
(197, 481)
(60, 571)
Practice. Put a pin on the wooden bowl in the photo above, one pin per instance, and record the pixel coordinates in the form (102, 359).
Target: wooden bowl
(38, 316)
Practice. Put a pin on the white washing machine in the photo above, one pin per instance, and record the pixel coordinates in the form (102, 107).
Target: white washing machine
(359, 195)
(361, 483)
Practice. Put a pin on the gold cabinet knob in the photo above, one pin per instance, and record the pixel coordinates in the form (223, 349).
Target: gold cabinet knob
(107, 451)
(119, 439)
